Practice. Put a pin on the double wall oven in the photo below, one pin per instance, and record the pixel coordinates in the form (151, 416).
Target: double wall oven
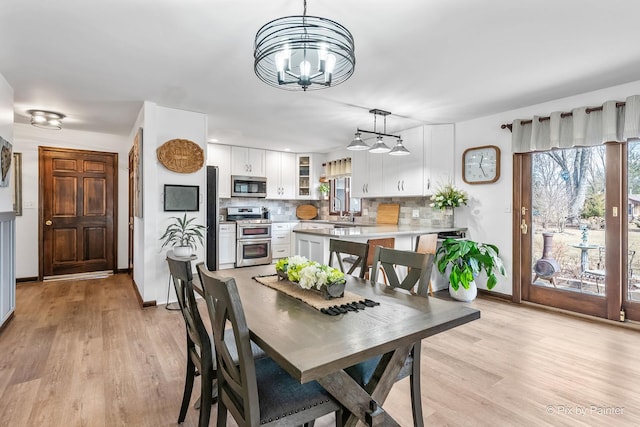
(253, 236)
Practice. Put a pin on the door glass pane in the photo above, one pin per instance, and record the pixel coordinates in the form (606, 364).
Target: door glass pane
(568, 207)
(633, 210)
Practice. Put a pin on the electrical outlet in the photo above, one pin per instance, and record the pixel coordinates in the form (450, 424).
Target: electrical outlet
(365, 211)
(416, 213)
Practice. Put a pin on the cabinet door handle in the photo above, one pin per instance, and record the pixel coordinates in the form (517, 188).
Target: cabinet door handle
(403, 185)
(428, 184)
(398, 186)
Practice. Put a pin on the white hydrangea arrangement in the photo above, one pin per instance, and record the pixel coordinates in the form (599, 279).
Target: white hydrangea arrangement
(449, 196)
(309, 274)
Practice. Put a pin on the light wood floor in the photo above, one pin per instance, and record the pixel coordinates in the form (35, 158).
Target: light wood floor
(83, 353)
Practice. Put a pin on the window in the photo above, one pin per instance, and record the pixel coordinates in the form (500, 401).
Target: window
(340, 200)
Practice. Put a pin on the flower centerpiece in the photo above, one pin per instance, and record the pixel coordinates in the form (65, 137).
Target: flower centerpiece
(312, 275)
(448, 196)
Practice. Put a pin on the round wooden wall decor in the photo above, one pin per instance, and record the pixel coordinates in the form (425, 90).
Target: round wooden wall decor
(181, 155)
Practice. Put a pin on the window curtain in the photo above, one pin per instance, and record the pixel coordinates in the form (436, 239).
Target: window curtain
(585, 126)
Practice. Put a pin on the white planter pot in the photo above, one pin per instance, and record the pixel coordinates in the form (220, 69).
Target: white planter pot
(464, 295)
(182, 251)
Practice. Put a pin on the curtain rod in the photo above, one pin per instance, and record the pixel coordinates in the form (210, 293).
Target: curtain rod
(563, 115)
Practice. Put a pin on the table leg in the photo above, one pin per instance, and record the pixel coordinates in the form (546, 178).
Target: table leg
(366, 405)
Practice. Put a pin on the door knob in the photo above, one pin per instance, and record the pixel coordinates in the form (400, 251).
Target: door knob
(48, 222)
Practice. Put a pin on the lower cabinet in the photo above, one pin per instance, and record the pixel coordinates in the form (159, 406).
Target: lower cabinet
(227, 246)
(314, 248)
(281, 240)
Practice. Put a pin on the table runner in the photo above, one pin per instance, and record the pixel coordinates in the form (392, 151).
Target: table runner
(315, 299)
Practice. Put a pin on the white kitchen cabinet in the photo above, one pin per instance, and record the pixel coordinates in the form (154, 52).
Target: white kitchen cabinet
(227, 246)
(281, 175)
(308, 170)
(314, 248)
(247, 161)
(220, 155)
(367, 174)
(280, 240)
(438, 156)
(404, 175)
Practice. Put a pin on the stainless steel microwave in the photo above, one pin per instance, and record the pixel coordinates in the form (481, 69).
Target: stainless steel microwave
(248, 186)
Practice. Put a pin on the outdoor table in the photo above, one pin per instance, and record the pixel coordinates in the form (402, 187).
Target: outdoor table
(584, 254)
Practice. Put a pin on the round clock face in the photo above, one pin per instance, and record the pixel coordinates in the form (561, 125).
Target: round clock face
(481, 165)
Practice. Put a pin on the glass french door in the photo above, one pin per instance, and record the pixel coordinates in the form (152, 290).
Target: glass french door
(573, 238)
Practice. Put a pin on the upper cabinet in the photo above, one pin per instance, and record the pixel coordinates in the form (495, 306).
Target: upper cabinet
(366, 174)
(404, 175)
(308, 170)
(429, 165)
(220, 156)
(247, 161)
(438, 156)
(281, 175)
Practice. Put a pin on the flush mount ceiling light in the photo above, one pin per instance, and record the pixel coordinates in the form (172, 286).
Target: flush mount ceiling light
(288, 47)
(46, 119)
(379, 147)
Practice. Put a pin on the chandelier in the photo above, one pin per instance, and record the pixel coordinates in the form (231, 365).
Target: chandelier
(46, 119)
(303, 52)
(379, 146)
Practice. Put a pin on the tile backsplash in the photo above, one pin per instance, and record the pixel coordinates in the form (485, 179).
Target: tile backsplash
(285, 210)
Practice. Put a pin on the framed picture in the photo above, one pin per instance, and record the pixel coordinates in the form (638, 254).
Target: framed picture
(137, 174)
(5, 162)
(17, 183)
(181, 198)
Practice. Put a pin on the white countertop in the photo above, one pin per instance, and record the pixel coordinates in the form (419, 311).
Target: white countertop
(376, 231)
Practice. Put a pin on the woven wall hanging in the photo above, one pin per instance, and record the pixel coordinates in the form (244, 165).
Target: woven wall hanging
(181, 155)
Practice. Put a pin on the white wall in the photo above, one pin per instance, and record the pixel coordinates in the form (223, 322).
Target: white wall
(6, 131)
(27, 140)
(160, 125)
(488, 215)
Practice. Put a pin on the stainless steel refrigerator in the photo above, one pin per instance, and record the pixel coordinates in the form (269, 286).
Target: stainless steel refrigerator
(213, 210)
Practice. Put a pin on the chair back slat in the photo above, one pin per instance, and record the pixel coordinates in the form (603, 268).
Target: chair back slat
(419, 266)
(237, 384)
(337, 248)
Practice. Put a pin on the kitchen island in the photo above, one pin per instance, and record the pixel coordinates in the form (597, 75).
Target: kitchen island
(314, 243)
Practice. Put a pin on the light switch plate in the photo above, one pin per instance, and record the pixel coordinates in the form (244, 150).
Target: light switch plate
(416, 213)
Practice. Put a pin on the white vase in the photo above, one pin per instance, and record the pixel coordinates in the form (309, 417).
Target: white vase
(464, 295)
(182, 251)
(447, 217)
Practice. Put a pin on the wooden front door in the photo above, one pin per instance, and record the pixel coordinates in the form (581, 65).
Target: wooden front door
(78, 193)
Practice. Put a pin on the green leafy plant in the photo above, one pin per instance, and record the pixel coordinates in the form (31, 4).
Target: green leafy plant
(183, 232)
(324, 188)
(467, 259)
(309, 274)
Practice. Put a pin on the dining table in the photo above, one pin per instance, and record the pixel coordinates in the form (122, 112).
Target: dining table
(313, 346)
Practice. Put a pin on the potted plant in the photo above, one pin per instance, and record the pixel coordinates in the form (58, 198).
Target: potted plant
(466, 259)
(324, 189)
(183, 235)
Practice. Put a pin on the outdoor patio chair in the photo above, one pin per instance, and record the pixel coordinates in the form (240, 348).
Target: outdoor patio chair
(598, 274)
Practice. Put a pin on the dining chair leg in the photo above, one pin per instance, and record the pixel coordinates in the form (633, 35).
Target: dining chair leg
(221, 420)
(188, 388)
(414, 381)
(206, 398)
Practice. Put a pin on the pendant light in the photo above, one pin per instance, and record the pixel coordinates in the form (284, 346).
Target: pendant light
(379, 146)
(303, 52)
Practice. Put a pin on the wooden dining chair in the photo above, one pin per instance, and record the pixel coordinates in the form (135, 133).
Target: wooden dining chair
(200, 358)
(387, 242)
(257, 392)
(419, 269)
(200, 348)
(427, 244)
(356, 255)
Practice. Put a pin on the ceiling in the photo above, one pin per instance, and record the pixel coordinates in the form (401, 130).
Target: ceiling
(426, 61)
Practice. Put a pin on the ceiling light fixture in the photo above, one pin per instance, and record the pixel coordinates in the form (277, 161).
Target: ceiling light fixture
(286, 48)
(46, 119)
(379, 147)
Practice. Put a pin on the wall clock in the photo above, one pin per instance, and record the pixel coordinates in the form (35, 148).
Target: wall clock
(481, 165)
